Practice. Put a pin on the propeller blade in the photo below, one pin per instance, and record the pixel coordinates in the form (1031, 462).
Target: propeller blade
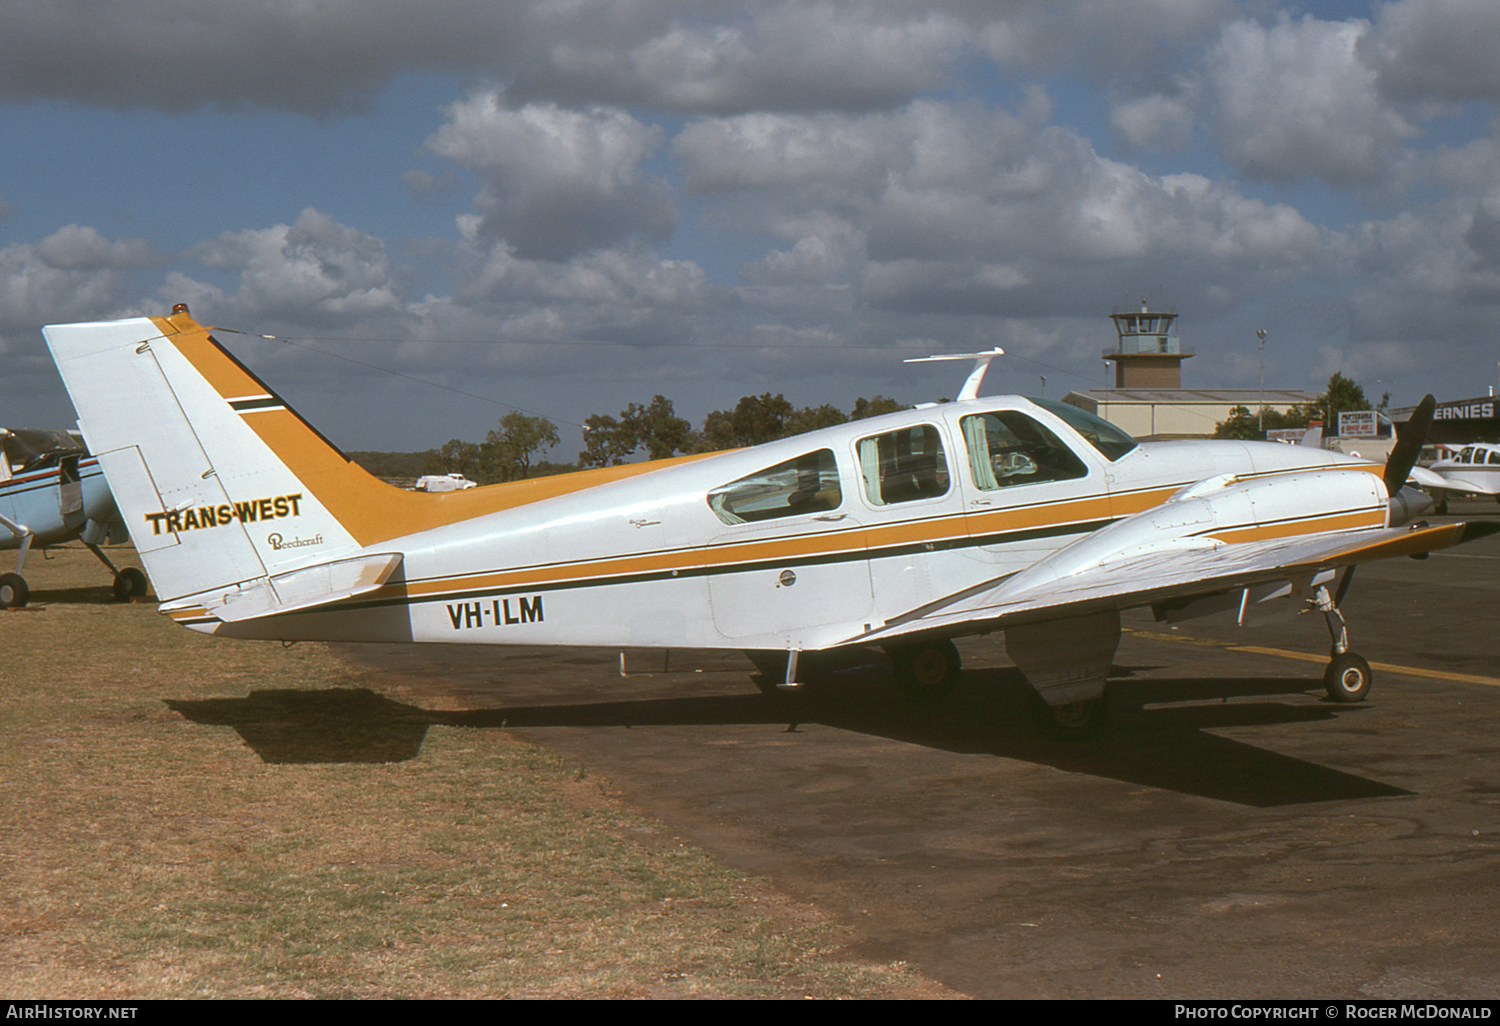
(1409, 439)
(1343, 588)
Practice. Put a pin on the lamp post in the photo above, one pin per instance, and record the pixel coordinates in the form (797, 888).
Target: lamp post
(1261, 423)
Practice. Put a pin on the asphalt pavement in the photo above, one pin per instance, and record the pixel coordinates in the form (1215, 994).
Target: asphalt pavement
(1232, 834)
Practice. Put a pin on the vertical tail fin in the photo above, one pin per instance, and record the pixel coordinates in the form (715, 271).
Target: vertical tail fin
(196, 449)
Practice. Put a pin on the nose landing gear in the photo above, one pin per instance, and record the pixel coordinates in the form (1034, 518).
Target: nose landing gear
(1348, 677)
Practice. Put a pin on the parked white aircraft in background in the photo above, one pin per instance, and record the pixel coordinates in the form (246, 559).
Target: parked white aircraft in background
(52, 492)
(904, 531)
(1473, 470)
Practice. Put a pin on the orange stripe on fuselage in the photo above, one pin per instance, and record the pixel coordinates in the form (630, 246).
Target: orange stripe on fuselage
(368, 508)
(861, 542)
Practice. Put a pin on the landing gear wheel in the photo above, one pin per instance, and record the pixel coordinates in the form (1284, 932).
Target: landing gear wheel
(129, 583)
(926, 671)
(13, 591)
(1072, 722)
(1348, 678)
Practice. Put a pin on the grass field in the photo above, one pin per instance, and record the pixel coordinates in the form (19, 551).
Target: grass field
(182, 816)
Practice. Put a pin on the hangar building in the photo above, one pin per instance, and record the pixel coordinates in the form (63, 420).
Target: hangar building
(1148, 399)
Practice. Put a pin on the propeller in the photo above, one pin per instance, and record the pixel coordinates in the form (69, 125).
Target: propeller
(1409, 440)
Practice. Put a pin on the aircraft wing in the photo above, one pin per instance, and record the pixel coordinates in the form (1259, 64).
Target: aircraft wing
(1470, 484)
(1180, 570)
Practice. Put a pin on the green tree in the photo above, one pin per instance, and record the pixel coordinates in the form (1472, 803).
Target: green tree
(810, 418)
(606, 442)
(1241, 425)
(754, 419)
(457, 457)
(657, 428)
(1343, 394)
(865, 408)
(508, 451)
(654, 427)
(764, 418)
(1245, 424)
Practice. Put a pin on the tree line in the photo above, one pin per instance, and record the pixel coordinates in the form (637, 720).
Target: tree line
(1342, 394)
(512, 450)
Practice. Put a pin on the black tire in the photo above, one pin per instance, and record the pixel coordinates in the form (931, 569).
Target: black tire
(129, 583)
(13, 591)
(1075, 721)
(1348, 678)
(926, 671)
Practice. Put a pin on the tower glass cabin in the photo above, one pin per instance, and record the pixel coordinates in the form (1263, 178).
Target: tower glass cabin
(1148, 353)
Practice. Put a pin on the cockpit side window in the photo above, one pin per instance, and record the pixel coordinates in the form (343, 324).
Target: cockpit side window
(903, 466)
(1111, 442)
(807, 484)
(1008, 448)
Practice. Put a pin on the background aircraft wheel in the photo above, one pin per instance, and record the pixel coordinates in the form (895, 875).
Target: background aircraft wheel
(129, 583)
(1072, 722)
(926, 671)
(13, 591)
(1348, 678)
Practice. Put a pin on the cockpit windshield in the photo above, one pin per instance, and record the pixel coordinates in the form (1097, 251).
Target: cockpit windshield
(1098, 432)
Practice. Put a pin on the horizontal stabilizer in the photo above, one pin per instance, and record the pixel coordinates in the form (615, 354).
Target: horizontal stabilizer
(295, 590)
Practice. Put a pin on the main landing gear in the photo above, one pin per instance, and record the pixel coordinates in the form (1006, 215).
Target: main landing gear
(926, 671)
(129, 583)
(1348, 677)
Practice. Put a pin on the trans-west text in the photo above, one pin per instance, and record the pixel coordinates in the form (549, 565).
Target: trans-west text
(247, 512)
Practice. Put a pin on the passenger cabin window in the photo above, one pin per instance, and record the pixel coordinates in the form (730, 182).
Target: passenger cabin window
(1008, 448)
(1495, 455)
(1111, 442)
(903, 466)
(807, 484)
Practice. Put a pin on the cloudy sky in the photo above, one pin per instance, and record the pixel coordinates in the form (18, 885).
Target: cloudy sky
(448, 209)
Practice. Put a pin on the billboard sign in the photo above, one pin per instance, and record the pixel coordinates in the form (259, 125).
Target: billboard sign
(1358, 424)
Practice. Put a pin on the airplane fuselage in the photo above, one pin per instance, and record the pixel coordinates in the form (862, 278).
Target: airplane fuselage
(53, 505)
(1475, 470)
(807, 543)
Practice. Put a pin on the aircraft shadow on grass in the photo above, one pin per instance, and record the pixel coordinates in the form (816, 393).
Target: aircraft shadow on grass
(84, 595)
(1167, 747)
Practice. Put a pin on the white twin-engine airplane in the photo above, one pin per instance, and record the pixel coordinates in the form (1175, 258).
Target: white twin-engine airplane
(903, 531)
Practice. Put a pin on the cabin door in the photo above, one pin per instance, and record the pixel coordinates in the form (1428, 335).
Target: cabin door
(792, 558)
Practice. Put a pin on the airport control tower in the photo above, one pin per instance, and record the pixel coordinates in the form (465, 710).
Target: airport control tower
(1148, 354)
